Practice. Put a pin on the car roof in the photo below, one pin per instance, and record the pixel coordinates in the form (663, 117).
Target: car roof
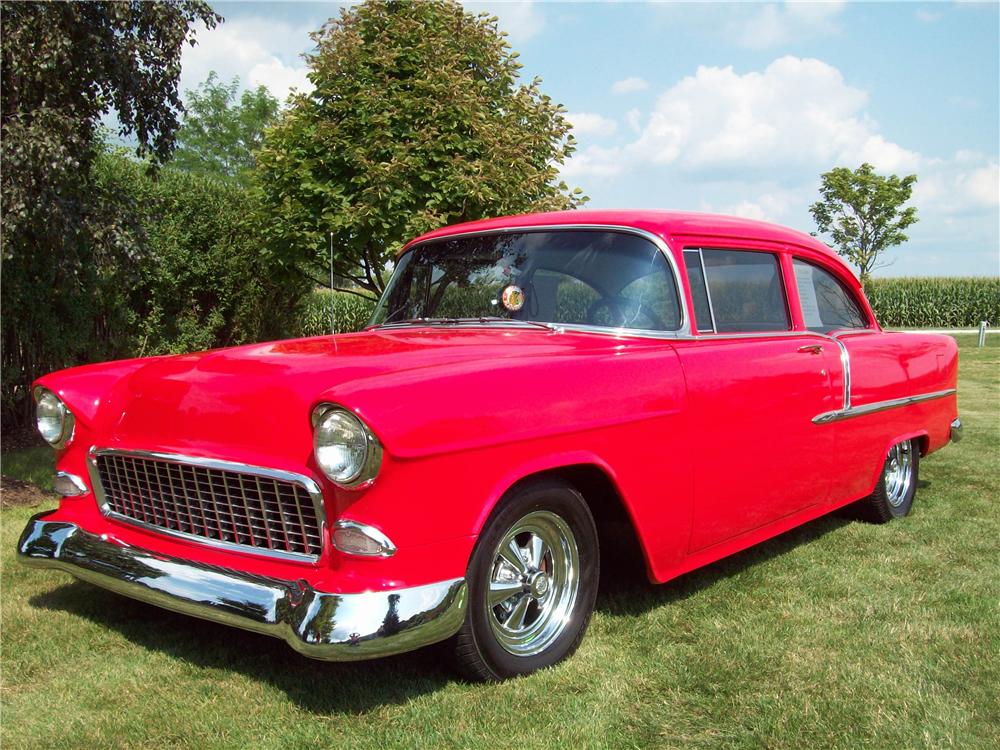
(664, 224)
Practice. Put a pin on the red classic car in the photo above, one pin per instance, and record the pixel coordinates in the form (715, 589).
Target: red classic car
(530, 389)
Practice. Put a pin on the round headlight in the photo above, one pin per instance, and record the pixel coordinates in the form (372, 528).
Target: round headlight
(54, 420)
(345, 449)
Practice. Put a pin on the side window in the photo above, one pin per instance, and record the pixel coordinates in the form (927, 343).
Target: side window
(826, 303)
(744, 291)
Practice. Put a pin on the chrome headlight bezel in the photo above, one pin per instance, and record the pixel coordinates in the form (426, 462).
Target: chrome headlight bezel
(67, 422)
(366, 471)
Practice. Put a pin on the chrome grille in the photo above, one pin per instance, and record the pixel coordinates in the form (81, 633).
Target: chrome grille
(267, 511)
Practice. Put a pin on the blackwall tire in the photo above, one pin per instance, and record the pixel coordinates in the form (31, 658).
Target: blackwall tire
(897, 486)
(532, 582)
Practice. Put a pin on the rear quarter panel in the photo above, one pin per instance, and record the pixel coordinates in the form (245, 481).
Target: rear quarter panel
(887, 366)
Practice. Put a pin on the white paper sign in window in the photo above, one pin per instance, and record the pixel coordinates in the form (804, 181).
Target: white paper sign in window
(807, 295)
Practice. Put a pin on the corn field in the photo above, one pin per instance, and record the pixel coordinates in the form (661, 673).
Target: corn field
(935, 302)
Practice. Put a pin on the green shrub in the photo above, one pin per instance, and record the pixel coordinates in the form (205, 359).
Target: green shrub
(935, 302)
(182, 268)
(205, 277)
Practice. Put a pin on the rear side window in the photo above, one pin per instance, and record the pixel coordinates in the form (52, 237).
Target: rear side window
(827, 304)
(743, 291)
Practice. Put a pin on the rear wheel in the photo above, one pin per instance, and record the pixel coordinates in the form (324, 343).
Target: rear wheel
(897, 487)
(532, 584)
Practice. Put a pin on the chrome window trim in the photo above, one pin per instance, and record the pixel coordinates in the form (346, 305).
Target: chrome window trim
(877, 406)
(708, 292)
(683, 330)
(311, 487)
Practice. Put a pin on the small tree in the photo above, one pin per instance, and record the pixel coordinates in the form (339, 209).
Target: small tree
(862, 213)
(417, 120)
(221, 130)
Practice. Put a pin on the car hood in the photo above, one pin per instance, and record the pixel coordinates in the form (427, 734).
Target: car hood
(419, 389)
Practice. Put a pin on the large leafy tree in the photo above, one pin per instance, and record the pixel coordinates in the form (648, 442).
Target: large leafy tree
(862, 212)
(222, 128)
(64, 66)
(418, 119)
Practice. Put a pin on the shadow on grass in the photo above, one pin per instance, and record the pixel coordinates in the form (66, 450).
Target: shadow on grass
(625, 589)
(352, 688)
(315, 686)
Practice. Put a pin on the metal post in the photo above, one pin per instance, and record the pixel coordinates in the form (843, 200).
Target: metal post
(333, 308)
(982, 333)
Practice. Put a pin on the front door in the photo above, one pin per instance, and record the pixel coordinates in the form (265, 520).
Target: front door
(754, 387)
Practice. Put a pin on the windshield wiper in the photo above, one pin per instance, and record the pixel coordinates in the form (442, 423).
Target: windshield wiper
(458, 321)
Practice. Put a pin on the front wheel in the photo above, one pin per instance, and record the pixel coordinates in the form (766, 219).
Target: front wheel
(897, 487)
(532, 584)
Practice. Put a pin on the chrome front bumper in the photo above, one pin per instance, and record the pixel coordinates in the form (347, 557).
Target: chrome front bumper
(332, 627)
(956, 430)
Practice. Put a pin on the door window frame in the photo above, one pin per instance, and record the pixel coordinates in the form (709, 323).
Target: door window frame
(698, 327)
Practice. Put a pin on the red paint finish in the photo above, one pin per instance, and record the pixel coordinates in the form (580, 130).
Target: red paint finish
(708, 439)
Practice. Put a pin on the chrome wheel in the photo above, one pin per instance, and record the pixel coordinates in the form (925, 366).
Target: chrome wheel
(534, 581)
(898, 473)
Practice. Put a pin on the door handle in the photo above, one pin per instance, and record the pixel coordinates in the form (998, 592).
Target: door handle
(811, 349)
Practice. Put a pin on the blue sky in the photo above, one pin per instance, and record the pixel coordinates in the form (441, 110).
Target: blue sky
(733, 107)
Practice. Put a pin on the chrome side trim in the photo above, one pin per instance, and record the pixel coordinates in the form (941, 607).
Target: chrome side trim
(332, 627)
(845, 364)
(956, 429)
(69, 485)
(895, 403)
(684, 329)
(313, 489)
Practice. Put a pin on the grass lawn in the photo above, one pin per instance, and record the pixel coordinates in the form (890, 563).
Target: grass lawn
(838, 634)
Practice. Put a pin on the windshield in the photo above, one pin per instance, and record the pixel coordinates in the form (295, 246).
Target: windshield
(579, 276)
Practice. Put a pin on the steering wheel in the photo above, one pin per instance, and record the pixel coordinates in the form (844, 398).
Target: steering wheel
(622, 313)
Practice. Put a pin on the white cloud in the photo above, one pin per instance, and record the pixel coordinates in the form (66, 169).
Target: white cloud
(633, 118)
(755, 143)
(795, 113)
(521, 19)
(594, 161)
(927, 16)
(765, 207)
(589, 123)
(966, 184)
(629, 85)
(982, 186)
(772, 25)
(261, 51)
